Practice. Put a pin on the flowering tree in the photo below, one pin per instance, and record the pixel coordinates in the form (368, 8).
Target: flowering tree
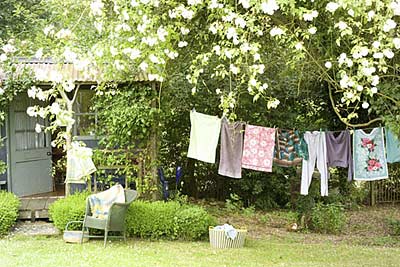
(348, 47)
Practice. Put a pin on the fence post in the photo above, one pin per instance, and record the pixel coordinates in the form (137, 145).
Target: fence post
(373, 193)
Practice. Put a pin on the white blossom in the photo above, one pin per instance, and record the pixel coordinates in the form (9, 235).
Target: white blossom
(275, 31)
(245, 3)
(68, 86)
(378, 55)
(55, 108)
(194, 2)
(341, 25)
(328, 64)
(3, 57)
(365, 105)
(376, 44)
(63, 33)
(234, 69)
(396, 7)
(97, 8)
(228, 53)
(350, 12)
(299, 46)
(41, 95)
(312, 30)
(214, 4)
(32, 92)
(182, 44)
(388, 53)
(184, 30)
(396, 42)
(332, 6)
(245, 47)
(218, 91)
(257, 57)
(125, 15)
(359, 88)
(162, 33)
(31, 111)
(38, 128)
(269, 7)
(213, 29)
(150, 41)
(374, 90)
(253, 82)
(310, 16)
(153, 58)
(217, 50)
(273, 103)
(143, 66)
(371, 15)
(69, 55)
(187, 14)
(240, 22)
(9, 48)
(374, 80)
(123, 27)
(389, 25)
(231, 33)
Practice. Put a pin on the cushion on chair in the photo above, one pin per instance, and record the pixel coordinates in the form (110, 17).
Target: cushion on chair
(100, 203)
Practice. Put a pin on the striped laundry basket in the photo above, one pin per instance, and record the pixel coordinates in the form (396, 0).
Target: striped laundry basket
(218, 238)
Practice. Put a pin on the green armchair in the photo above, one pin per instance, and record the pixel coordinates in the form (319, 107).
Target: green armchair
(114, 221)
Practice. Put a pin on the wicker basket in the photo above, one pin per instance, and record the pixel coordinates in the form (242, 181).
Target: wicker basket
(75, 236)
(218, 238)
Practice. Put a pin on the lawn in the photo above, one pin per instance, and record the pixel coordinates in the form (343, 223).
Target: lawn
(271, 251)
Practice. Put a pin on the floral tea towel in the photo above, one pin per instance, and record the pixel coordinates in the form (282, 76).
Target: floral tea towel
(369, 155)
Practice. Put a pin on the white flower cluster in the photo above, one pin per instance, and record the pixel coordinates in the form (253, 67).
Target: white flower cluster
(276, 31)
(97, 7)
(395, 7)
(269, 7)
(332, 7)
(133, 53)
(310, 16)
(181, 11)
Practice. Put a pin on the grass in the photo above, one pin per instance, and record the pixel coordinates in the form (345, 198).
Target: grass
(52, 251)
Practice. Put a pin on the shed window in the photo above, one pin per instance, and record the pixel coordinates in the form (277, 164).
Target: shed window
(85, 117)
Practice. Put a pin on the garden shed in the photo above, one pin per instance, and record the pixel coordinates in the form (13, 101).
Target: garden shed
(28, 154)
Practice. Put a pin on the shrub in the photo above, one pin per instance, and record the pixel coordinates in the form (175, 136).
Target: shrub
(71, 208)
(170, 220)
(329, 218)
(192, 223)
(152, 219)
(9, 204)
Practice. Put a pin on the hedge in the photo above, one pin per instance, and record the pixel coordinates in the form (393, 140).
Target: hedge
(9, 204)
(154, 220)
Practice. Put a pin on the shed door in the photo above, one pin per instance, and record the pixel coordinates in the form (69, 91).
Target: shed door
(30, 152)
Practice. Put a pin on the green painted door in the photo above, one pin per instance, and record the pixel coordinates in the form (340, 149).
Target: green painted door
(30, 152)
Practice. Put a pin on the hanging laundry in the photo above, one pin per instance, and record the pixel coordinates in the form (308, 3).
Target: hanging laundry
(338, 150)
(316, 152)
(290, 148)
(258, 149)
(79, 163)
(392, 147)
(230, 160)
(204, 135)
(369, 155)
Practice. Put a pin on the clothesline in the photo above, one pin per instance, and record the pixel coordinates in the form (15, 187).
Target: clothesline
(258, 148)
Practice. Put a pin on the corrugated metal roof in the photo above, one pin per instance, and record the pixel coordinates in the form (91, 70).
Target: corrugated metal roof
(45, 70)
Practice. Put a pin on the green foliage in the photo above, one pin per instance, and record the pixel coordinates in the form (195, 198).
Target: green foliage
(152, 219)
(192, 223)
(125, 115)
(9, 204)
(71, 208)
(169, 220)
(328, 218)
(394, 226)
